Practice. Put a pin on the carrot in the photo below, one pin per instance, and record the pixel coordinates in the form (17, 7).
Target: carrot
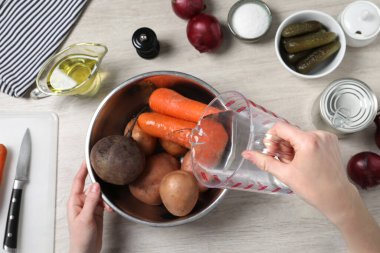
(170, 102)
(166, 127)
(212, 141)
(214, 137)
(3, 156)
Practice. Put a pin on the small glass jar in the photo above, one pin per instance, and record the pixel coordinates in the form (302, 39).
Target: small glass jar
(249, 20)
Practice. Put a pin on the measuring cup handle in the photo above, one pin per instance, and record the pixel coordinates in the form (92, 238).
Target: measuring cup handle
(37, 94)
(275, 146)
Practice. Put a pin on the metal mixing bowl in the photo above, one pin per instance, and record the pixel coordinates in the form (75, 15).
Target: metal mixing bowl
(111, 117)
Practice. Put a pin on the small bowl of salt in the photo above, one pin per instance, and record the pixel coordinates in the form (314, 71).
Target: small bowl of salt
(249, 20)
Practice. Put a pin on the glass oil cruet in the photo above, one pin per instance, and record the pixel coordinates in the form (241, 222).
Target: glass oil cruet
(72, 71)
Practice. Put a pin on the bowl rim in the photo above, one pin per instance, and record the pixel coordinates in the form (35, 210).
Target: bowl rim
(342, 39)
(87, 152)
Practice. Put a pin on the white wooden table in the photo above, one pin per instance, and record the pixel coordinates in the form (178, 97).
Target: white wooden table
(243, 222)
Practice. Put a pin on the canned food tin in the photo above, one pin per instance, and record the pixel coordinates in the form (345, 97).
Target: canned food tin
(347, 106)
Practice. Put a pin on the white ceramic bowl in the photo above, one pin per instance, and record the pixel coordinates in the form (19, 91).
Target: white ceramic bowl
(331, 24)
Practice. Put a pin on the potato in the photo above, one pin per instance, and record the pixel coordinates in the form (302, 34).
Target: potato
(146, 187)
(179, 192)
(173, 148)
(146, 142)
(187, 166)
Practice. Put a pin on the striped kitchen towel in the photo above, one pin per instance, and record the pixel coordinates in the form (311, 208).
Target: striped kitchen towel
(30, 32)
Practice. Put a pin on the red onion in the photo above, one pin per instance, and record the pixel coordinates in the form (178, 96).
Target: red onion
(364, 169)
(204, 33)
(187, 9)
(377, 135)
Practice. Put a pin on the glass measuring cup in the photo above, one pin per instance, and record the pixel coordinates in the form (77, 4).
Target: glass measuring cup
(72, 71)
(231, 124)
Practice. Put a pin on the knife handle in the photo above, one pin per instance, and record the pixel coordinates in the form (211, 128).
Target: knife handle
(10, 236)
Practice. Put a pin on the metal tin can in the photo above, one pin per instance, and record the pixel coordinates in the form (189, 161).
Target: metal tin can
(346, 106)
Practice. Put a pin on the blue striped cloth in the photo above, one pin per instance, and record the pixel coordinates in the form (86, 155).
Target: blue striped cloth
(30, 32)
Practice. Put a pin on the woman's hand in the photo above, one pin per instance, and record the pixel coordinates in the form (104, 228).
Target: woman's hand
(317, 175)
(85, 215)
(316, 172)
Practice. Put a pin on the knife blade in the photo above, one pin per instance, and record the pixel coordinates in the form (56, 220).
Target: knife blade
(22, 176)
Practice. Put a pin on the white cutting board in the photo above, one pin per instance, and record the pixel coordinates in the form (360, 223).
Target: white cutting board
(37, 214)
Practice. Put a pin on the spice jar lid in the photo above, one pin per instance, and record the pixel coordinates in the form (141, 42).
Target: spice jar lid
(249, 20)
(145, 41)
(348, 105)
(361, 20)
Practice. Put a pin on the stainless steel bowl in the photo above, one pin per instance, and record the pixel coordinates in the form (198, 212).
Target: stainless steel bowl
(111, 118)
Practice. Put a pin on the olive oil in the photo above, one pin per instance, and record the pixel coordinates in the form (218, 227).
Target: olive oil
(74, 72)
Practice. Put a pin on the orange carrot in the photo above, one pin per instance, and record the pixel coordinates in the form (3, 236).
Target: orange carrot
(212, 141)
(170, 102)
(214, 137)
(166, 127)
(3, 156)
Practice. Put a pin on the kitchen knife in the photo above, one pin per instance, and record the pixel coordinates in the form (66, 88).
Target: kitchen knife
(22, 174)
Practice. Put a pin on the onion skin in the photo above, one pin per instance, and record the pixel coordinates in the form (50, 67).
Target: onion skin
(364, 169)
(186, 9)
(377, 134)
(204, 33)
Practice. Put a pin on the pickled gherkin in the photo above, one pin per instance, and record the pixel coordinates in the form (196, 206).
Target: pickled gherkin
(286, 40)
(294, 58)
(318, 56)
(309, 41)
(301, 28)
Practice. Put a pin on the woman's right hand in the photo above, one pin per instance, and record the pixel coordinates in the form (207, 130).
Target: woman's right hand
(316, 172)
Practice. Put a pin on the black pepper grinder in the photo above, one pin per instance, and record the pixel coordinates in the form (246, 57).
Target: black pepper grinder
(145, 41)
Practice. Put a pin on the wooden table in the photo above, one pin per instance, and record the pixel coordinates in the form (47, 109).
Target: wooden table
(243, 222)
